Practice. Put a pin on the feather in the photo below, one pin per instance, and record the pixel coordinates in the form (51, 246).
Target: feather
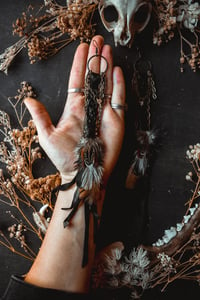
(146, 142)
(89, 163)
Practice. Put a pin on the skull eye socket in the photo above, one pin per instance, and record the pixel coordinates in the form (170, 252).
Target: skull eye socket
(110, 14)
(141, 14)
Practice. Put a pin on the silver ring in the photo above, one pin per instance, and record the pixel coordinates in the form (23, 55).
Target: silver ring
(76, 90)
(119, 106)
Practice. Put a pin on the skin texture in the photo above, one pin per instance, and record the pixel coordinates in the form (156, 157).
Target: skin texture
(58, 264)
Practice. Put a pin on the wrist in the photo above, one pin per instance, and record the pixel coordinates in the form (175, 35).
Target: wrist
(68, 176)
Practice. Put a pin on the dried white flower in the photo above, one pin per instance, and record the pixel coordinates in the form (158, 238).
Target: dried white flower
(188, 15)
(166, 261)
(137, 257)
(193, 153)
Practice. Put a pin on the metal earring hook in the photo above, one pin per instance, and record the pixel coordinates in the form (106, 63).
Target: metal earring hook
(97, 55)
(97, 47)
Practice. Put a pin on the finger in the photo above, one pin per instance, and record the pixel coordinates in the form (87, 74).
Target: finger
(40, 116)
(118, 95)
(77, 74)
(95, 48)
(107, 53)
(74, 105)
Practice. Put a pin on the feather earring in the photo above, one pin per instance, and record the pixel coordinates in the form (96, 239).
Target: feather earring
(89, 153)
(146, 137)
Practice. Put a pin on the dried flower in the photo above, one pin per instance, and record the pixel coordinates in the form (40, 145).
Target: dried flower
(19, 189)
(166, 261)
(176, 16)
(48, 30)
(137, 257)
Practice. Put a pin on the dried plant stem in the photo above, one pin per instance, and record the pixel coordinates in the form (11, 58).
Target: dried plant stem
(179, 16)
(37, 232)
(21, 114)
(194, 195)
(9, 246)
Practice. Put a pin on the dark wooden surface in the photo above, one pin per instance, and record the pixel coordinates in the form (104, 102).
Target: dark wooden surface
(176, 111)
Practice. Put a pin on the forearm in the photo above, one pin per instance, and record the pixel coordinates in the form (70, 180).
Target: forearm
(58, 264)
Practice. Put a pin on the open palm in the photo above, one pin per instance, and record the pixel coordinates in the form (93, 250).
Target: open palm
(59, 141)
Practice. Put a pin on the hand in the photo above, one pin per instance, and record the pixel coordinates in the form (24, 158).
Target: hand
(59, 141)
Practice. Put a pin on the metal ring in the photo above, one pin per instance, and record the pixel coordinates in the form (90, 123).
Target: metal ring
(76, 90)
(119, 106)
(101, 56)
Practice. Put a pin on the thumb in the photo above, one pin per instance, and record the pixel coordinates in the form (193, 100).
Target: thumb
(40, 116)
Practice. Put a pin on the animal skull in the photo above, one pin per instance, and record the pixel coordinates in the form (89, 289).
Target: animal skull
(130, 16)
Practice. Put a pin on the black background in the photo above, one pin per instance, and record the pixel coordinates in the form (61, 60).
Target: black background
(138, 216)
